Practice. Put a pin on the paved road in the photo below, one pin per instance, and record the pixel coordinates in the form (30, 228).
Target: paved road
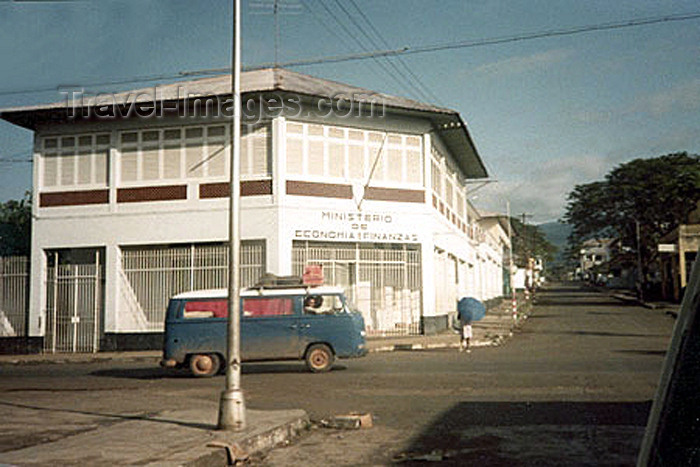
(572, 387)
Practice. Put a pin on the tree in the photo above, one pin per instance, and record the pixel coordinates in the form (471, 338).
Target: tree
(15, 227)
(653, 195)
(529, 241)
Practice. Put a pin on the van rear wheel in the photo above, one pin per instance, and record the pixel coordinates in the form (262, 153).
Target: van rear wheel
(205, 365)
(319, 358)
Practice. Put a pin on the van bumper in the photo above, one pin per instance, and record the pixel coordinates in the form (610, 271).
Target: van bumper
(168, 363)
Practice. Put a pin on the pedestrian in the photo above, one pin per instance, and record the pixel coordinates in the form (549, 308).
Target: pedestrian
(468, 310)
(466, 336)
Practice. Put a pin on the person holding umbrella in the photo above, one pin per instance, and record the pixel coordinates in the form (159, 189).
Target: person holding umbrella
(468, 310)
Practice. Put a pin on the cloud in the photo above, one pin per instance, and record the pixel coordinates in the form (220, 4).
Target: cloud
(683, 96)
(523, 64)
(543, 191)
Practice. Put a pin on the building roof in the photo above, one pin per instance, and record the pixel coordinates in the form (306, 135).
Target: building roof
(448, 123)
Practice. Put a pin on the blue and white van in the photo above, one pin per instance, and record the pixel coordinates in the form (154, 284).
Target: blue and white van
(315, 324)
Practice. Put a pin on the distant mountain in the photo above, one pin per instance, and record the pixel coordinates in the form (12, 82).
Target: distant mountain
(557, 234)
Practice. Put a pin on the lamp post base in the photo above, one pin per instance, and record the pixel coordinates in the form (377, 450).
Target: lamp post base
(232, 411)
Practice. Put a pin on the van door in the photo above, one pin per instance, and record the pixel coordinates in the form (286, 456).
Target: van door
(324, 321)
(269, 328)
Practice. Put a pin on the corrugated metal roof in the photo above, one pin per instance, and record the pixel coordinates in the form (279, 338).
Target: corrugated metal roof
(448, 123)
(269, 79)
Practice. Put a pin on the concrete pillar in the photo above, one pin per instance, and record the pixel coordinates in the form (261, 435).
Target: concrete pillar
(279, 244)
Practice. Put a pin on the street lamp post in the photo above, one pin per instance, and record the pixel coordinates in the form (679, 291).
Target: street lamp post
(231, 404)
(510, 262)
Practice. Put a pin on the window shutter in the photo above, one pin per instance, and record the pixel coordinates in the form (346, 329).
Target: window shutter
(315, 162)
(414, 166)
(151, 169)
(129, 165)
(50, 176)
(356, 162)
(84, 167)
(172, 158)
(395, 165)
(336, 159)
(295, 155)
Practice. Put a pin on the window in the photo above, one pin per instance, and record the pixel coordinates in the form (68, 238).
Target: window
(206, 308)
(324, 152)
(192, 152)
(74, 161)
(436, 177)
(323, 304)
(256, 150)
(261, 307)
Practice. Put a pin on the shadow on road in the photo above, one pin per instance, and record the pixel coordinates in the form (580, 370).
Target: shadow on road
(111, 417)
(657, 353)
(531, 433)
(246, 368)
(591, 333)
(576, 302)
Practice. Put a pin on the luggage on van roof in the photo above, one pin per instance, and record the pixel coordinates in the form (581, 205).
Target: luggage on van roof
(269, 281)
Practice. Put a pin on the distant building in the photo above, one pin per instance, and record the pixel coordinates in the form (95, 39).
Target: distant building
(594, 253)
(131, 204)
(497, 228)
(678, 251)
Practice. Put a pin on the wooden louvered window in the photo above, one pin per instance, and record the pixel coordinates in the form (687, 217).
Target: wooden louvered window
(172, 154)
(74, 162)
(324, 152)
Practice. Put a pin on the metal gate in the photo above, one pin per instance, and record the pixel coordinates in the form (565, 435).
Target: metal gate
(74, 301)
(150, 274)
(384, 280)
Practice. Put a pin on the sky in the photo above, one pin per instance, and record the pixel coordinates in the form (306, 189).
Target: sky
(545, 114)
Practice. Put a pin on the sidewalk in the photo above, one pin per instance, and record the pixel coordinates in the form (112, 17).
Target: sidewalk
(179, 437)
(189, 437)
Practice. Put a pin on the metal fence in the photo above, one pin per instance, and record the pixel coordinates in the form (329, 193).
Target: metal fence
(150, 275)
(14, 292)
(384, 280)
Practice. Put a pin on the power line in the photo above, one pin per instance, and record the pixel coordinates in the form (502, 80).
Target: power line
(418, 92)
(385, 53)
(424, 89)
(332, 31)
(354, 37)
(491, 41)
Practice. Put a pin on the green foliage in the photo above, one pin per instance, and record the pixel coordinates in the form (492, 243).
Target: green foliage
(15, 227)
(657, 194)
(530, 241)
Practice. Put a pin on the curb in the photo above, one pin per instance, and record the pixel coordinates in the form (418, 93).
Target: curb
(224, 451)
(32, 360)
(496, 341)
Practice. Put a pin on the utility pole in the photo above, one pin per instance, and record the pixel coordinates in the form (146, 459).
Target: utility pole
(529, 273)
(231, 404)
(514, 302)
(640, 273)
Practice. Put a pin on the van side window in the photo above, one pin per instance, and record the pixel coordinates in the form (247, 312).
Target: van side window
(206, 309)
(257, 307)
(322, 304)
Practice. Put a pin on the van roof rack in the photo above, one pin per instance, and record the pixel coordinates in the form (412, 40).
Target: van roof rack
(273, 281)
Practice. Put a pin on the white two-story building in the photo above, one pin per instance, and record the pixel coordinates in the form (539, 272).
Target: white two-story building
(131, 204)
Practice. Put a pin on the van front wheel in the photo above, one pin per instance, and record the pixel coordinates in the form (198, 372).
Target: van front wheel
(319, 358)
(205, 365)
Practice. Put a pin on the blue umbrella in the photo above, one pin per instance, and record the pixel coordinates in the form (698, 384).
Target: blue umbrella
(471, 309)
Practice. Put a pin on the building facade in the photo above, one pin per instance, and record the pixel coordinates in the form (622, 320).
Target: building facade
(131, 205)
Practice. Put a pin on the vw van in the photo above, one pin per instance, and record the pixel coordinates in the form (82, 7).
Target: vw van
(314, 324)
